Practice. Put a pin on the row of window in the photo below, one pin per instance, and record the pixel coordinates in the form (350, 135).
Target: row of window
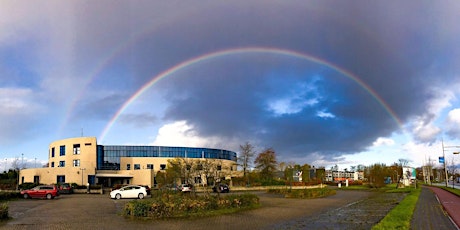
(148, 166)
(76, 163)
(76, 150)
(162, 151)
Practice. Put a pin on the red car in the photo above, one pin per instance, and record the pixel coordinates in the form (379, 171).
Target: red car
(41, 191)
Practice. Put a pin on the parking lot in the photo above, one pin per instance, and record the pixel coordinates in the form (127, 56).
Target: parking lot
(95, 211)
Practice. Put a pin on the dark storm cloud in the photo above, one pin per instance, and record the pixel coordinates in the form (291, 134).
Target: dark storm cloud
(400, 50)
(392, 48)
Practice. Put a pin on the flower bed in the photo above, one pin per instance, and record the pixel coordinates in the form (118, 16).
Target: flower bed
(169, 205)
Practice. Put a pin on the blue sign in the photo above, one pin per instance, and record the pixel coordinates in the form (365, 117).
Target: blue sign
(441, 159)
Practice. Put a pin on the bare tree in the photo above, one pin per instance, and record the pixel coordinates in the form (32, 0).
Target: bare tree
(246, 155)
(15, 165)
(209, 169)
(452, 169)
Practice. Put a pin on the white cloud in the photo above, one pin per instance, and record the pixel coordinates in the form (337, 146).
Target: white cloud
(421, 153)
(180, 133)
(424, 127)
(324, 114)
(382, 141)
(425, 132)
(454, 116)
(14, 101)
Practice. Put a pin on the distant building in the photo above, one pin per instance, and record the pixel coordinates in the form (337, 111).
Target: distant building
(340, 176)
(81, 160)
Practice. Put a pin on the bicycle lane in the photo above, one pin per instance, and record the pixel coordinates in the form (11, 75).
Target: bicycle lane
(450, 202)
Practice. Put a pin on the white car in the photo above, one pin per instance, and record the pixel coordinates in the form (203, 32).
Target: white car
(130, 191)
(185, 187)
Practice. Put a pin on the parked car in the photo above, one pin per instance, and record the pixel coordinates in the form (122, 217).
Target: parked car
(147, 188)
(41, 191)
(65, 188)
(185, 187)
(221, 188)
(169, 187)
(130, 191)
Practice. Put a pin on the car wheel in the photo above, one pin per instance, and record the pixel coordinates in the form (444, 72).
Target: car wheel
(118, 196)
(26, 196)
(141, 196)
(49, 196)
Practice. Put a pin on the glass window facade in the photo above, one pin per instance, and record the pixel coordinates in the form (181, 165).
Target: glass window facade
(108, 156)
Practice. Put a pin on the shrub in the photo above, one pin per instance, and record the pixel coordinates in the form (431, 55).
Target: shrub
(3, 211)
(4, 196)
(179, 205)
(304, 193)
(28, 185)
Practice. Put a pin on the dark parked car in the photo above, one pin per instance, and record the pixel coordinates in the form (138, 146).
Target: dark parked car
(65, 188)
(222, 188)
(41, 191)
(147, 188)
(169, 187)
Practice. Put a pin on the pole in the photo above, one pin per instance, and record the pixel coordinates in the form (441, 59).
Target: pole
(445, 169)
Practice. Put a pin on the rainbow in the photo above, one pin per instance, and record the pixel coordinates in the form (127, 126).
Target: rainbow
(236, 51)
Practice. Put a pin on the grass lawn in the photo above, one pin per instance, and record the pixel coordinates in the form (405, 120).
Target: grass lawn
(401, 216)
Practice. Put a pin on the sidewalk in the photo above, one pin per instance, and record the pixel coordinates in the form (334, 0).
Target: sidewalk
(433, 209)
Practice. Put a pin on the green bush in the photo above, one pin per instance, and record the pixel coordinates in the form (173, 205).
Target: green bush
(304, 193)
(169, 205)
(3, 211)
(4, 196)
(28, 185)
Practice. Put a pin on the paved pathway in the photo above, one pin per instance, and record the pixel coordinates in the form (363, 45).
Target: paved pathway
(429, 212)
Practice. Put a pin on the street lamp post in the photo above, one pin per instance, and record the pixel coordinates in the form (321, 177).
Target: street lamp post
(443, 153)
(453, 181)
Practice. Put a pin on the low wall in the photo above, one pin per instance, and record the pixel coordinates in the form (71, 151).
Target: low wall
(262, 188)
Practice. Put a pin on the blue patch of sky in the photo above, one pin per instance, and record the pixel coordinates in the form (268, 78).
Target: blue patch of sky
(17, 68)
(299, 91)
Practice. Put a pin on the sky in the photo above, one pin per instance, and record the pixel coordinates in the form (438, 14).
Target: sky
(320, 82)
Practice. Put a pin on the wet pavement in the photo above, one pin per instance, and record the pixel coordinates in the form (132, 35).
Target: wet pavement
(436, 209)
(345, 210)
(91, 211)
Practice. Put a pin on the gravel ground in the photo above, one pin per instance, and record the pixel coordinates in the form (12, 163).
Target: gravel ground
(346, 209)
(362, 214)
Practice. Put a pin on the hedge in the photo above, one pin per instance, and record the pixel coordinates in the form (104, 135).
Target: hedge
(180, 205)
